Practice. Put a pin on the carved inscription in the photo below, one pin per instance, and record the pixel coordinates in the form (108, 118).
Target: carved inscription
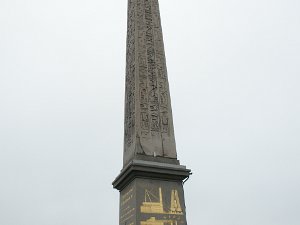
(161, 70)
(127, 210)
(153, 84)
(130, 78)
(142, 62)
(148, 116)
(151, 70)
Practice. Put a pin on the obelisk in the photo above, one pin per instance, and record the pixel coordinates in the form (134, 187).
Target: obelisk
(151, 181)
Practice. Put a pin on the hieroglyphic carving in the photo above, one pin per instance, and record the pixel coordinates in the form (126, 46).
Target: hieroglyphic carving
(148, 116)
(151, 70)
(161, 70)
(142, 61)
(130, 78)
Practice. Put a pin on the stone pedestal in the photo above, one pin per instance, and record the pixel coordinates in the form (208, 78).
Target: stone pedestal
(151, 193)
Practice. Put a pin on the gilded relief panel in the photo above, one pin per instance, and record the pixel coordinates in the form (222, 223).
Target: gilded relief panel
(160, 203)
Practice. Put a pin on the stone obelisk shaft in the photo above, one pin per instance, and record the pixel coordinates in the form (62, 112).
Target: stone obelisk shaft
(151, 181)
(148, 116)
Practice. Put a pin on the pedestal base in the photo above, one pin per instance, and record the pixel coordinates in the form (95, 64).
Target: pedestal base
(152, 193)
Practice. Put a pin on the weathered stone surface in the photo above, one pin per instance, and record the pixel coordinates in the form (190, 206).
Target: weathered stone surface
(148, 115)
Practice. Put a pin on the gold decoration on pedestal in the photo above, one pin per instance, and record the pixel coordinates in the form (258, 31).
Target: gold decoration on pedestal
(153, 221)
(175, 203)
(150, 206)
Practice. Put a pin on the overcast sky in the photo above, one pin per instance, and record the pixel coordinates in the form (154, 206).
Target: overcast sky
(234, 73)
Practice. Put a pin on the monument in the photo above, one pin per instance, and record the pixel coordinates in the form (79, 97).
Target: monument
(151, 181)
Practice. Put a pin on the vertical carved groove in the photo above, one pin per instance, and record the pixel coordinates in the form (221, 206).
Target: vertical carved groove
(148, 115)
(130, 79)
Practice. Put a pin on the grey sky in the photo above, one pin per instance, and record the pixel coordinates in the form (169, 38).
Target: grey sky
(234, 79)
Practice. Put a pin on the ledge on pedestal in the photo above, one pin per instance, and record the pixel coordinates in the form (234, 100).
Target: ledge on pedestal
(152, 170)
